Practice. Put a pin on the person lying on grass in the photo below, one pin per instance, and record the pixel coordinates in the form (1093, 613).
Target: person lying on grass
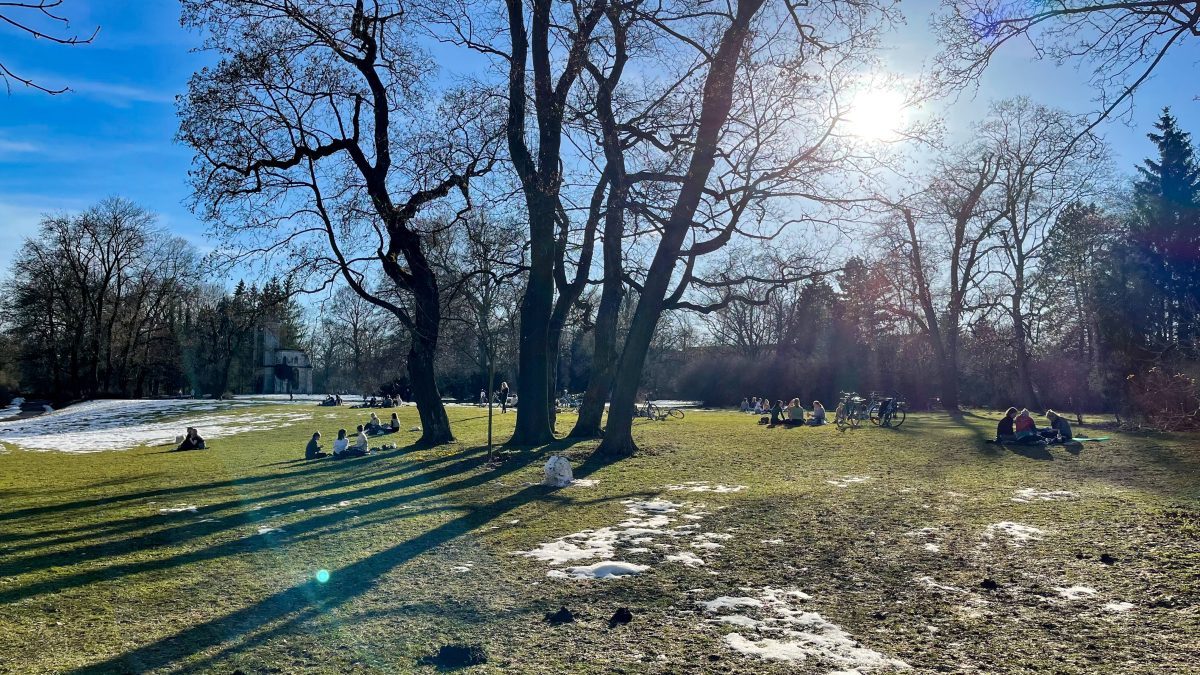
(313, 450)
(192, 441)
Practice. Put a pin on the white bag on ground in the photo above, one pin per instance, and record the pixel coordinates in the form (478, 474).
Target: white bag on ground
(558, 471)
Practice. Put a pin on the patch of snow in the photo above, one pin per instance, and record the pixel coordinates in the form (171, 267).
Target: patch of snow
(707, 545)
(720, 536)
(794, 634)
(13, 409)
(772, 541)
(584, 482)
(1118, 606)
(562, 551)
(932, 548)
(1018, 533)
(685, 558)
(847, 481)
(121, 424)
(463, 569)
(639, 508)
(607, 569)
(695, 486)
(179, 508)
(1075, 592)
(1027, 495)
(266, 529)
(728, 602)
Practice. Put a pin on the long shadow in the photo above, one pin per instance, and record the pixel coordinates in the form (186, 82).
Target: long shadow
(315, 467)
(108, 528)
(289, 608)
(90, 554)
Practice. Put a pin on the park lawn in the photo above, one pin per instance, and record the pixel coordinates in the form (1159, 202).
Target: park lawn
(96, 578)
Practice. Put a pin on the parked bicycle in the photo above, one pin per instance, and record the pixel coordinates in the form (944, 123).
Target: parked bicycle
(570, 402)
(651, 411)
(850, 411)
(887, 412)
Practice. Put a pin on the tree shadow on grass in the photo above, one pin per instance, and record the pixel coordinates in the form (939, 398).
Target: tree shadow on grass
(351, 466)
(284, 611)
(174, 536)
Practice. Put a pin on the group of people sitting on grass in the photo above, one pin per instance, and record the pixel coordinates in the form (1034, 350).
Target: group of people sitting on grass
(1019, 428)
(192, 440)
(386, 401)
(790, 414)
(332, 400)
(341, 445)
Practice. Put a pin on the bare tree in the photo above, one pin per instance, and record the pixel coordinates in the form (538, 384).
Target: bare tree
(39, 19)
(1124, 42)
(318, 142)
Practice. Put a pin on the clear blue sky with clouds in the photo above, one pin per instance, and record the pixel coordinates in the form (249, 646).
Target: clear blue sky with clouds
(113, 134)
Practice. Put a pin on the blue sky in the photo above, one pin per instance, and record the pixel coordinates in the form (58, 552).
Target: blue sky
(114, 133)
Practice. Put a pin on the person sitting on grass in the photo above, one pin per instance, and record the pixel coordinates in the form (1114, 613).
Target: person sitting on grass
(1060, 429)
(313, 450)
(1005, 433)
(342, 448)
(745, 407)
(795, 413)
(777, 412)
(1026, 429)
(341, 443)
(192, 440)
(818, 415)
(374, 426)
(394, 425)
(361, 442)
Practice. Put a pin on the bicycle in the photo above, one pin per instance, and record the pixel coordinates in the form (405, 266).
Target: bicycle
(570, 402)
(850, 411)
(654, 412)
(888, 413)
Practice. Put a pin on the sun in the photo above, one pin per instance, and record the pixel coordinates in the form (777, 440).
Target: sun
(877, 115)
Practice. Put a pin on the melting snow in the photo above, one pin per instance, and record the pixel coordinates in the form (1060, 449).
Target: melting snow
(656, 506)
(13, 409)
(932, 548)
(930, 582)
(685, 558)
(695, 486)
(795, 634)
(601, 570)
(1026, 495)
(584, 482)
(96, 426)
(179, 508)
(1118, 606)
(265, 529)
(1075, 592)
(1016, 531)
(847, 481)
(772, 541)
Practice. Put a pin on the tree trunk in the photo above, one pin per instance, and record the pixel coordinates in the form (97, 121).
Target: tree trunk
(604, 353)
(1021, 352)
(534, 426)
(435, 425)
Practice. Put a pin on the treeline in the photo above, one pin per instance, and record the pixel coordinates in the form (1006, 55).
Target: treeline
(106, 303)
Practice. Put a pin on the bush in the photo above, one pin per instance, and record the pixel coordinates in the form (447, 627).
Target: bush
(1166, 401)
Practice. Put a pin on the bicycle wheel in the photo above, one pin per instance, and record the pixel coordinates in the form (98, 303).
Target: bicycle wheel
(874, 414)
(652, 411)
(676, 413)
(855, 419)
(898, 418)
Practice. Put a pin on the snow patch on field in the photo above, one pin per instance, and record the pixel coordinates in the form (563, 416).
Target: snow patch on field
(1118, 607)
(601, 570)
(97, 426)
(1027, 495)
(931, 583)
(179, 508)
(847, 481)
(1017, 533)
(653, 519)
(1075, 592)
(584, 482)
(13, 409)
(777, 629)
(696, 486)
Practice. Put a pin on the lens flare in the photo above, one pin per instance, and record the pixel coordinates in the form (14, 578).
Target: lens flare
(322, 576)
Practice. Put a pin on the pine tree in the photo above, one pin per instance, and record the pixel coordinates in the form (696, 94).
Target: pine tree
(1166, 235)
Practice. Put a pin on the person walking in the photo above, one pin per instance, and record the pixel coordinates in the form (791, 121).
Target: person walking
(503, 397)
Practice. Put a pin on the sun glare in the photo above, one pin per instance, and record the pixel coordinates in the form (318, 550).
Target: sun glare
(877, 115)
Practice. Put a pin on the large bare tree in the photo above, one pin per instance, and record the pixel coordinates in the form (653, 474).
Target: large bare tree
(320, 141)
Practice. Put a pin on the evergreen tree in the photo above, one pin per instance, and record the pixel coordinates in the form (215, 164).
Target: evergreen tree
(1166, 236)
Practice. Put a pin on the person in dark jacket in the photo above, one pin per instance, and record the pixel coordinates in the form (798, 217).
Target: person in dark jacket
(1004, 430)
(777, 412)
(192, 440)
(313, 450)
(1060, 429)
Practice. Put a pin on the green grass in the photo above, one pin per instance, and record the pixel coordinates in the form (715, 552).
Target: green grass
(94, 579)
